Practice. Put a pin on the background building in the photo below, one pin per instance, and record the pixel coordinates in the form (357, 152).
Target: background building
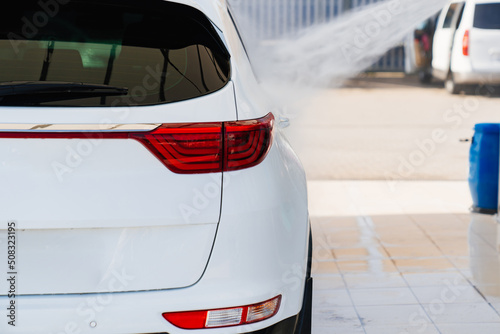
(274, 19)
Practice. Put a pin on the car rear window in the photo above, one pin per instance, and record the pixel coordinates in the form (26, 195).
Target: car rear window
(449, 15)
(161, 52)
(487, 16)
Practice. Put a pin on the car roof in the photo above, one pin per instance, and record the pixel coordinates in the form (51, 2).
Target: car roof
(211, 8)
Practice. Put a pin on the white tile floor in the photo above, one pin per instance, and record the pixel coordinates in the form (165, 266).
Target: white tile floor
(403, 258)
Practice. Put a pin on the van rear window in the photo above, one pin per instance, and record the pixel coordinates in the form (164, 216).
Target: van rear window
(487, 16)
(155, 51)
(450, 15)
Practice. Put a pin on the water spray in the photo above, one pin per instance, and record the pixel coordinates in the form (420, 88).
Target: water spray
(295, 62)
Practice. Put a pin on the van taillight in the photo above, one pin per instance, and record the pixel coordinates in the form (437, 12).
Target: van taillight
(465, 43)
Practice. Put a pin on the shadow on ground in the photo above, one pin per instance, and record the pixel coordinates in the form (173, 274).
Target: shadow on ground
(400, 80)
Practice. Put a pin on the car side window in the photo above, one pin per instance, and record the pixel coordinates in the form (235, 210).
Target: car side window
(460, 15)
(449, 16)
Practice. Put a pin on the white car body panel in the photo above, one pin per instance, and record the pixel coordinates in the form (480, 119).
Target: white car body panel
(141, 200)
(260, 252)
(482, 66)
(86, 260)
(241, 238)
(443, 40)
(483, 63)
(458, 62)
(252, 102)
(127, 199)
(485, 50)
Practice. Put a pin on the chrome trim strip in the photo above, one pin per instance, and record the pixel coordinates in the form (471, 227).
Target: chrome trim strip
(77, 127)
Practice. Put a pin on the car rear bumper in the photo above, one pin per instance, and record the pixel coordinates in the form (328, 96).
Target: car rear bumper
(131, 313)
(470, 78)
(477, 78)
(441, 75)
(260, 252)
(225, 284)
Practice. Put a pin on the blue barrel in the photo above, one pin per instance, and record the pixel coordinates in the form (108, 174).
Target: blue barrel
(483, 172)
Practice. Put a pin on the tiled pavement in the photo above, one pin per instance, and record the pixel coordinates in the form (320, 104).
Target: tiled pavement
(394, 258)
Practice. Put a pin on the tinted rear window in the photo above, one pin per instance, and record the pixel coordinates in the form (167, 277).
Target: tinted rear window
(162, 52)
(487, 16)
(449, 15)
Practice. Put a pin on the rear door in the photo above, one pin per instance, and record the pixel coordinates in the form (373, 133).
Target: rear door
(443, 39)
(485, 38)
(94, 208)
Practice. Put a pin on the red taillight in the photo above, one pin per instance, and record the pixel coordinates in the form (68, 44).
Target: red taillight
(247, 142)
(210, 147)
(465, 43)
(190, 148)
(187, 320)
(218, 318)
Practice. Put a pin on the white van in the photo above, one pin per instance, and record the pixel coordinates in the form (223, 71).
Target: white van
(466, 49)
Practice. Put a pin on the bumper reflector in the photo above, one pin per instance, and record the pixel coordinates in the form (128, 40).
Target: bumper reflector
(262, 311)
(219, 318)
(224, 317)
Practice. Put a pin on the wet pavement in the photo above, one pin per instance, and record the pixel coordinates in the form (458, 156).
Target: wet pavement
(379, 128)
(404, 257)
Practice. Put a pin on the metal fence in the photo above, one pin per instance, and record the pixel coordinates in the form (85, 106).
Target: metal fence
(274, 19)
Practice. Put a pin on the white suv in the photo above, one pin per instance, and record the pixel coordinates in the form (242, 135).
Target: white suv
(145, 185)
(466, 48)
